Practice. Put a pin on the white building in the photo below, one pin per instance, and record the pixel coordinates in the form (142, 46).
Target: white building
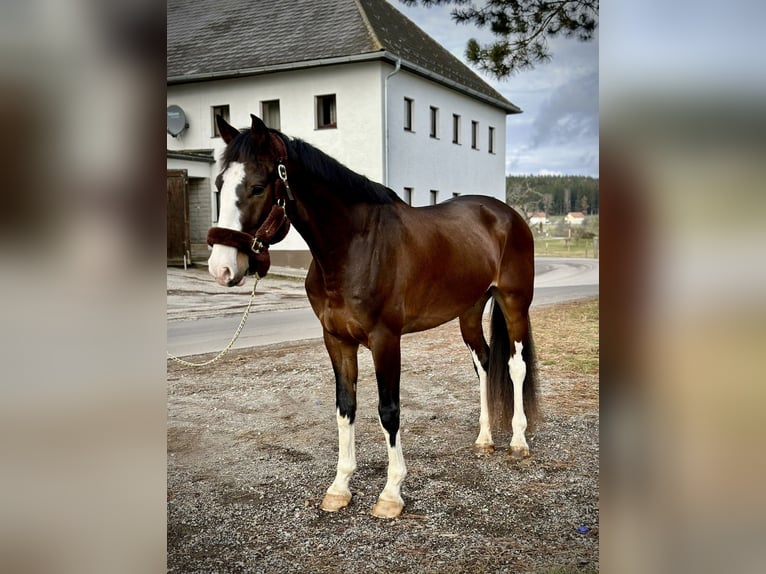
(355, 78)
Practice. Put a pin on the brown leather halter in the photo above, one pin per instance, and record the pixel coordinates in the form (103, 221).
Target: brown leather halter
(272, 230)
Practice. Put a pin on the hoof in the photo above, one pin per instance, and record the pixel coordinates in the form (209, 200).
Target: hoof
(387, 509)
(334, 502)
(519, 452)
(483, 449)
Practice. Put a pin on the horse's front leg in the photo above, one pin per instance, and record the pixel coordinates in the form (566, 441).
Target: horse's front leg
(344, 363)
(387, 358)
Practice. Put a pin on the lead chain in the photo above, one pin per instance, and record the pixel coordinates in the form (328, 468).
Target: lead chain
(233, 339)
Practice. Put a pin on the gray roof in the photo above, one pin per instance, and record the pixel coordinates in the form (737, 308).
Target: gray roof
(211, 39)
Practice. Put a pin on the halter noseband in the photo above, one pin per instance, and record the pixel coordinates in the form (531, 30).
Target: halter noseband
(272, 230)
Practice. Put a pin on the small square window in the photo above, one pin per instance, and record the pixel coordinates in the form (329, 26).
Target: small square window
(408, 105)
(434, 122)
(474, 135)
(326, 112)
(270, 114)
(219, 111)
(455, 129)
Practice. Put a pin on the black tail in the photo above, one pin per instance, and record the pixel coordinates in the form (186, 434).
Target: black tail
(499, 386)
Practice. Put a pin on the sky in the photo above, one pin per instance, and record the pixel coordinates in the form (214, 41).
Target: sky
(557, 133)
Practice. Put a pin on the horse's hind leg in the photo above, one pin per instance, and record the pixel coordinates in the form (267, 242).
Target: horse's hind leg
(344, 362)
(520, 363)
(473, 335)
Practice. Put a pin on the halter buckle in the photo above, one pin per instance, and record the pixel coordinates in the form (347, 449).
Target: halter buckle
(257, 246)
(282, 173)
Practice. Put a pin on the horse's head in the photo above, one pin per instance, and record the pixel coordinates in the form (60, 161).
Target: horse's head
(249, 190)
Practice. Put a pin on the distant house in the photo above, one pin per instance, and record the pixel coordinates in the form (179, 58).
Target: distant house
(538, 218)
(574, 218)
(355, 78)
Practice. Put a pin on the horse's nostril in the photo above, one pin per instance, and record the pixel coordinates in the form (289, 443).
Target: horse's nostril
(226, 274)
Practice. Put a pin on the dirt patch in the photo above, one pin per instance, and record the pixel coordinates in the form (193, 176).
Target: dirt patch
(252, 446)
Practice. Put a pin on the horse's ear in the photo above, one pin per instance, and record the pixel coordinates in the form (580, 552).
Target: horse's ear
(227, 132)
(258, 130)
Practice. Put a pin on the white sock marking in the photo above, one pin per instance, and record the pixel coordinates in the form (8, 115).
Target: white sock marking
(485, 431)
(346, 456)
(519, 421)
(397, 470)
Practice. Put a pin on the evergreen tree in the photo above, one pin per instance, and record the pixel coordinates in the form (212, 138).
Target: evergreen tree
(522, 29)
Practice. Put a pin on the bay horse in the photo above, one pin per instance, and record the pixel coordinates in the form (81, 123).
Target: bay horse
(380, 269)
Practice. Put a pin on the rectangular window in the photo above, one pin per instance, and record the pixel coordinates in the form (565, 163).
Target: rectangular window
(434, 122)
(474, 135)
(491, 144)
(326, 113)
(408, 195)
(434, 196)
(218, 111)
(408, 104)
(455, 194)
(455, 129)
(270, 114)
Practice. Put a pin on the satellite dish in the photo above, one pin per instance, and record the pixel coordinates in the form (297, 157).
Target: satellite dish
(176, 120)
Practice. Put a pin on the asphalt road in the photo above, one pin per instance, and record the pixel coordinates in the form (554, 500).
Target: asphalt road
(557, 280)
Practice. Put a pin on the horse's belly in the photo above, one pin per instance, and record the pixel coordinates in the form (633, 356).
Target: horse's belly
(441, 308)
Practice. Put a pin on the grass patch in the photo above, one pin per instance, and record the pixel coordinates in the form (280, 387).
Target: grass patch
(560, 247)
(567, 336)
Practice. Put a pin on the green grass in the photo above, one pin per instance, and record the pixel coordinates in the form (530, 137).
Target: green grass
(567, 336)
(560, 247)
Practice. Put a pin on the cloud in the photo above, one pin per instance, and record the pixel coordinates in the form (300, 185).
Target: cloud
(569, 114)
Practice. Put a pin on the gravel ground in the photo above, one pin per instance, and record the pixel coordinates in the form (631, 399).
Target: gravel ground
(252, 446)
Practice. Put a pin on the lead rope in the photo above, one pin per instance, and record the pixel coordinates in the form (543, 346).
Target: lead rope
(233, 339)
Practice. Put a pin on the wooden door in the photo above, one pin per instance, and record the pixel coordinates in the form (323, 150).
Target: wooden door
(178, 217)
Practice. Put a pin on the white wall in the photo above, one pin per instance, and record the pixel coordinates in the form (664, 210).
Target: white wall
(423, 163)
(357, 141)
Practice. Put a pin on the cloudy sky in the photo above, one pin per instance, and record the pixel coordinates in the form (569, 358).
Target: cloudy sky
(558, 131)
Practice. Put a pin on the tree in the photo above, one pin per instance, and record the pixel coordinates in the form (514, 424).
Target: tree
(522, 29)
(584, 204)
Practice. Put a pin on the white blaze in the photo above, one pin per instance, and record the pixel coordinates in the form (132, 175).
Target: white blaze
(223, 257)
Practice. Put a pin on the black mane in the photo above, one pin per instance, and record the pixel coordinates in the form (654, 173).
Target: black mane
(351, 186)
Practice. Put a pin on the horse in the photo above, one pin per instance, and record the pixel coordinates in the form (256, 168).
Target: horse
(381, 269)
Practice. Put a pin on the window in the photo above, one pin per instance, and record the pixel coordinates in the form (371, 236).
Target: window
(408, 104)
(408, 195)
(474, 135)
(455, 194)
(270, 114)
(326, 114)
(218, 111)
(434, 196)
(491, 144)
(455, 129)
(434, 122)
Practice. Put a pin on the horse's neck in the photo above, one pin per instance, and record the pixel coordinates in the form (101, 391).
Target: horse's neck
(327, 224)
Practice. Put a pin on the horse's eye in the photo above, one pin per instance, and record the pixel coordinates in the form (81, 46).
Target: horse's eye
(257, 190)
